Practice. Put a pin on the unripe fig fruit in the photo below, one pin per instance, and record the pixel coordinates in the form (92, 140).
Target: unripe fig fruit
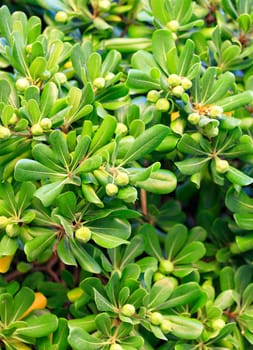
(83, 234)
(99, 83)
(111, 190)
(128, 310)
(166, 326)
(162, 105)
(22, 84)
(4, 132)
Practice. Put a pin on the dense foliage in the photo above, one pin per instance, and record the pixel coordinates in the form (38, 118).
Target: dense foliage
(126, 164)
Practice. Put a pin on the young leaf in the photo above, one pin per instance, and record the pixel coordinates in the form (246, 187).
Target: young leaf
(39, 327)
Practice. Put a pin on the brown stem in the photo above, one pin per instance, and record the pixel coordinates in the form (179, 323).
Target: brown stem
(144, 207)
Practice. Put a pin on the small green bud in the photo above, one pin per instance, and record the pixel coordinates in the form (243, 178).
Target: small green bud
(116, 347)
(36, 130)
(128, 194)
(13, 119)
(215, 111)
(128, 310)
(4, 132)
(74, 294)
(3, 221)
(104, 5)
(121, 128)
(221, 165)
(22, 84)
(61, 17)
(122, 179)
(186, 83)
(166, 326)
(28, 48)
(99, 83)
(153, 96)
(46, 123)
(173, 25)
(174, 80)
(111, 190)
(166, 266)
(194, 118)
(211, 131)
(158, 276)
(218, 324)
(162, 105)
(60, 78)
(12, 230)
(178, 91)
(156, 318)
(83, 234)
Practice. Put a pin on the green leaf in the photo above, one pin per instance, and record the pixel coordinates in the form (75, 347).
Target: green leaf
(5, 90)
(103, 323)
(247, 297)
(185, 328)
(80, 150)
(94, 66)
(186, 57)
(237, 177)
(89, 164)
(115, 227)
(162, 43)
(60, 147)
(191, 253)
(25, 195)
(67, 204)
(238, 202)
(80, 339)
(220, 88)
(103, 134)
(192, 165)
(5, 22)
(60, 336)
(159, 293)
(107, 241)
(146, 143)
(141, 82)
(22, 301)
(86, 261)
(28, 169)
(159, 12)
(8, 246)
(48, 193)
(152, 245)
(36, 246)
(225, 299)
(244, 221)
(233, 102)
(48, 97)
(6, 305)
(133, 250)
(65, 253)
(39, 327)
(111, 62)
(175, 240)
(102, 303)
(37, 67)
(227, 278)
(189, 146)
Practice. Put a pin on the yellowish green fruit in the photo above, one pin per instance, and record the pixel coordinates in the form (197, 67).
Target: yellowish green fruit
(128, 310)
(156, 318)
(221, 165)
(111, 190)
(12, 230)
(218, 324)
(128, 194)
(153, 96)
(4, 132)
(83, 234)
(158, 276)
(178, 91)
(60, 78)
(186, 83)
(99, 83)
(166, 326)
(104, 5)
(173, 25)
(22, 84)
(3, 221)
(74, 294)
(116, 347)
(109, 76)
(121, 128)
(215, 111)
(174, 80)
(166, 266)
(122, 179)
(46, 123)
(194, 118)
(61, 17)
(36, 130)
(162, 105)
(13, 119)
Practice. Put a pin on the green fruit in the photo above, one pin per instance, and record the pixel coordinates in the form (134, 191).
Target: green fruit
(4, 132)
(28, 48)
(99, 83)
(83, 234)
(156, 318)
(46, 123)
(158, 276)
(221, 165)
(45, 75)
(12, 230)
(111, 190)
(166, 326)
(60, 78)
(194, 118)
(36, 130)
(116, 347)
(121, 129)
(177, 91)
(153, 96)
(61, 17)
(3, 221)
(186, 83)
(162, 105)
(128, 194)
(75, 294)
(22, 84)
(109, 76)
(166, 266)
(174, 80)
(122, 179)
(128, 310)
(173, 25)
(13, 119)
(218, 324)
(215, 111)
(104, 5)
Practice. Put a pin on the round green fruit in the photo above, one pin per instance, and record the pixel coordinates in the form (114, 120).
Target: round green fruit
(166, 326)
(22, 84)
(178, 91)
(128, 310)
(194, 118)
(12, 230)
(46, 123)
(153, 96)
(61, 17)
(221, 165)
(13, 119)
(83, 234)
(45, 75)
(158, 276)
(60, 78)
(4, 132)
(218, 324)
(109, 76)
(162, 105)
(36, 130)
(111, 190)
(116, 347)
(3, 221)
(128, 194)
(166, 266)
(186, 83)
(173, 25)
(99, 83)
(104, 5)
(174, 80)
(215, 111)
(121, 128)
(122, 179)
(156, 318)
